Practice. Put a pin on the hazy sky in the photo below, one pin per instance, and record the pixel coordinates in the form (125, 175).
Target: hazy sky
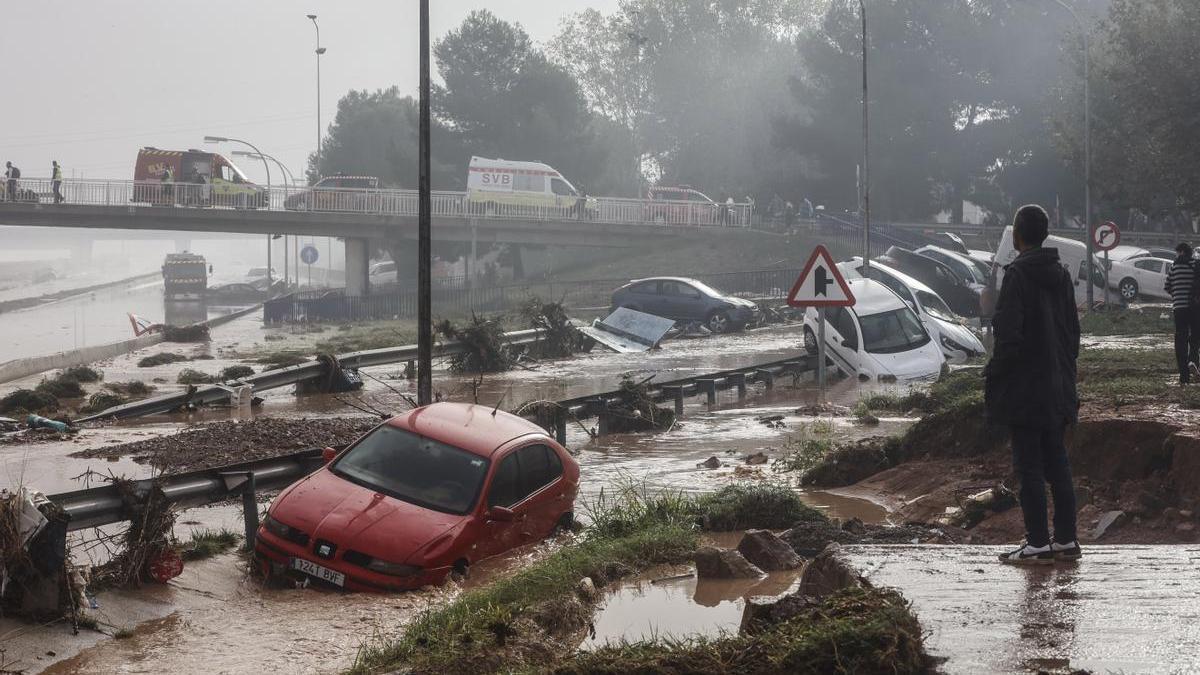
(88, 83)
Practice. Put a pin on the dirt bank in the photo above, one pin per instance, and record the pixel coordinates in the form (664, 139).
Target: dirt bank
(222, 443)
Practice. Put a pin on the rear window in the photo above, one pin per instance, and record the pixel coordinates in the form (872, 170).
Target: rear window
(892, 332)
(936, 307)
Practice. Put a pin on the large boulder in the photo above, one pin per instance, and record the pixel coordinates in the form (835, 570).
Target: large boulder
(768, 552)
(715, 563)
(829, 573)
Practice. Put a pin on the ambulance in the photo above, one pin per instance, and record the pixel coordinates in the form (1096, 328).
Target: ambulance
(503, 186)
(197, 178)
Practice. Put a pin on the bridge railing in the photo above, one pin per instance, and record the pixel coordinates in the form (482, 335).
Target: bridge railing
(384, 202)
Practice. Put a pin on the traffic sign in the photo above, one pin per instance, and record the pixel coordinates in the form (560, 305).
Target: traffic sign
(309, 254)
(1106, 236)
(821, 284)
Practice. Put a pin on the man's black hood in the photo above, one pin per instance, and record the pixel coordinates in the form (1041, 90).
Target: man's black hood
(1041, 265)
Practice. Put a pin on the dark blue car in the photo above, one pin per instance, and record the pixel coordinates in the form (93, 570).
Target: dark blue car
(683, 299)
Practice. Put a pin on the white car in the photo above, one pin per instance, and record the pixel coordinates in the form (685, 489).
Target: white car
(1140, 277)
(382, 273)
(967, 269)
(958, 342)
(879, 338)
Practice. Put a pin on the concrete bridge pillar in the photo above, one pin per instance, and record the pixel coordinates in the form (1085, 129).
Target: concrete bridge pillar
(358, 263)
(183, 244)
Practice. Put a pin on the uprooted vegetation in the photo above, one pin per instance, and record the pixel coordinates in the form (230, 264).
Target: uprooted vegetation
(559, 338)
(62, 386)
(535, 620)
(234, 373)
(483, 345)
(28, 401)
(193, 376)
(101, 401)
(132, 388)
(207, 543)
(161, 359)
(635, 410)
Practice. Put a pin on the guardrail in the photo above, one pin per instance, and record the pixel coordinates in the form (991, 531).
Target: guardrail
(386, 202)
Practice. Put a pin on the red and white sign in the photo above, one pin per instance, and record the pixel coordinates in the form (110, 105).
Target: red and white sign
(1106, 236)
(821, 284)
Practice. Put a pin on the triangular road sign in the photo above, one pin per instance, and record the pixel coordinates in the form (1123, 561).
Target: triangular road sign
(821, 284)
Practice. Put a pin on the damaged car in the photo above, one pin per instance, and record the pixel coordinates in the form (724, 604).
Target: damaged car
(420, 498)
(683, 299)
(879, 338)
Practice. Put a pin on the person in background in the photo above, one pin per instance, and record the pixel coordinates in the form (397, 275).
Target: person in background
(11, 174)
(1181, 285)
(56, 181)
(1029, 385)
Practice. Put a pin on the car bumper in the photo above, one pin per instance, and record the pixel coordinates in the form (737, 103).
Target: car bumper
(273, 555)
(743, 314)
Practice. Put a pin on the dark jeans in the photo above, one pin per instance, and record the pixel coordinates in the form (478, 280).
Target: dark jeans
(1187, 340)
(1040, 457)
(58, 191)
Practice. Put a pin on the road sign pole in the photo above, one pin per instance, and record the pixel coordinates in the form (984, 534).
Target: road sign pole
(821, 356)
(1107, 269)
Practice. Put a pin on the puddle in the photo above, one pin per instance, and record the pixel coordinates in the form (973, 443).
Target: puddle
(661, 605)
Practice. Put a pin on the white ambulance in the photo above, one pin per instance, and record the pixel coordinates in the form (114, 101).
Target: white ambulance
(498, 183)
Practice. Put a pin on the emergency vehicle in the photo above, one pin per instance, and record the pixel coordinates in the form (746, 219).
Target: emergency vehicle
(497, 183)
(193, 178)
(185, 276)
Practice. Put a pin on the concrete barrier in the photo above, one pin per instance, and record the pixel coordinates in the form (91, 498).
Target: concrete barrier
(18, 368)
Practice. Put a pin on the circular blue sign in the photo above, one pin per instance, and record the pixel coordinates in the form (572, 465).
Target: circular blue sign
(309, 254)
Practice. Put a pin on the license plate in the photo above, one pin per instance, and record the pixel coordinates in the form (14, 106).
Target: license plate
(315, 570)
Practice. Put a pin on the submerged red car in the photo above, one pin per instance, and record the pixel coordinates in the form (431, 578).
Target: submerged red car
(425, 494)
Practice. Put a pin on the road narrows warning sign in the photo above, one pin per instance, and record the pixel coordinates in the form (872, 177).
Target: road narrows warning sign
(821, 284)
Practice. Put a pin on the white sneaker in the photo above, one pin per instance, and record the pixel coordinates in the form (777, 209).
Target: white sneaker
(1029, 555)
(1068, 551)
(1194, 368)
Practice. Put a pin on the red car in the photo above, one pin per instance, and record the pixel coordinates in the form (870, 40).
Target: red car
(423, 495)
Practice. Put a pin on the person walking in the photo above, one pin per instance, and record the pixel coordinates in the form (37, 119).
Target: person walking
(11, 174)
(56, 181)
(1181, 285)
(1030, 385)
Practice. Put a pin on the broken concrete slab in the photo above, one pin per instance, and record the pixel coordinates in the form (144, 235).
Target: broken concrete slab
(1108, 520)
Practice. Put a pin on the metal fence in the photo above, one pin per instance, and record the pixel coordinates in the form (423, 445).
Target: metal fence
(454, 297)
(365, 201)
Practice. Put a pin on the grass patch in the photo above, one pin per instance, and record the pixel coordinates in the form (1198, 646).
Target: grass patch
(192, 376)
(802, 454)
(1141, 321)
(161, 359)
(234, 373)
(770, 506)
(369, 336)
(853, 631)
(208, 543)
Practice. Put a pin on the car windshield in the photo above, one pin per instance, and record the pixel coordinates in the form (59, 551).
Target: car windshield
(414, 469)
(934, 306)
(892, 332)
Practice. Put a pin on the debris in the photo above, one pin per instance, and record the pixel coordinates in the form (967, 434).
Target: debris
(234, 373)
(559, 338)
(765, 550)
(192, 376)
(161, 359)
(710, 463)
(715, 563)
(1108, 520)
(196, 332)
(61, 386)
(28, 400)
(100, 401)
(586, 588)
(130, 388)
(769, 420)
(336, 380)
(627, 330)
(757, 458)
(483, 346)
(636, 410)
(39, 422)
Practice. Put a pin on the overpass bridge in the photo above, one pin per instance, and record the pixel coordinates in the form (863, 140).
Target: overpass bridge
(362, 216)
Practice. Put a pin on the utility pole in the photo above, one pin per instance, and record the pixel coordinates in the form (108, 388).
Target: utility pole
(866, 175)
(424, 245)
(320, 50)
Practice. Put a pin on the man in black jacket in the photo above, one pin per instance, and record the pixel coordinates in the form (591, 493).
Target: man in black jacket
(1030, 385)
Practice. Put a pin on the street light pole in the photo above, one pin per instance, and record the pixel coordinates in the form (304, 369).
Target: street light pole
(424, 246)
(1087, 148)
(320, 51)
(866, 178)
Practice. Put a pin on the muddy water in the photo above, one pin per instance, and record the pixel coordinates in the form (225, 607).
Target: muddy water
(672, 603)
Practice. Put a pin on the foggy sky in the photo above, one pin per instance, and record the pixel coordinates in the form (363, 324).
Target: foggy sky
(88, 83)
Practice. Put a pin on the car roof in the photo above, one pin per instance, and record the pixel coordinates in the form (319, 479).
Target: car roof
(912, 283)
(872, 297)
(955, 255)
(478, 429)
(685, 280)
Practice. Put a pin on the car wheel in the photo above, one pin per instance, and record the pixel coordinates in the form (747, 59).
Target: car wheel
(718, 322)
(1129, 289)
(810, 341)
(460, 572)
(565, 524)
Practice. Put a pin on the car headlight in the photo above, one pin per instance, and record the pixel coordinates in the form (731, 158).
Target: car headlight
(392, 569)
(275, 527)
(954, 346)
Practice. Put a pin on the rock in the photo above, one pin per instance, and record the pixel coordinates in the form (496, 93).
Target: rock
(768, 552)
(710, 463)
(762, 611)
(586, 589)
(1108, 520)
(868, 420)
(829, 573)
(757, 458)
(1187, 514)
(854, 526)
(1185, 528)
(715, 563)
(808, 538)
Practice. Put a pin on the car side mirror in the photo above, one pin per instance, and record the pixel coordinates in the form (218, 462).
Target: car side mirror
(328, 454)
(500, 514)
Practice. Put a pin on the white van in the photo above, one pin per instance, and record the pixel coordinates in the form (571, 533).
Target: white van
(1072, 254)
(879, 338)
(499, 182)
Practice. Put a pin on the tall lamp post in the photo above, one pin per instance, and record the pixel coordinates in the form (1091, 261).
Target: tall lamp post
(1087, 146)
(267, 167)
(424, 245)
(320, 51)
(866, 178)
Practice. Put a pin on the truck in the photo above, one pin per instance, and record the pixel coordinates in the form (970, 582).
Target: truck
(185, 276)
(196, 178)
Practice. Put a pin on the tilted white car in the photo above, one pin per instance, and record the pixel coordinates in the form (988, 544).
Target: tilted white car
(958, 342)
(879, 338)
(1140, 277)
